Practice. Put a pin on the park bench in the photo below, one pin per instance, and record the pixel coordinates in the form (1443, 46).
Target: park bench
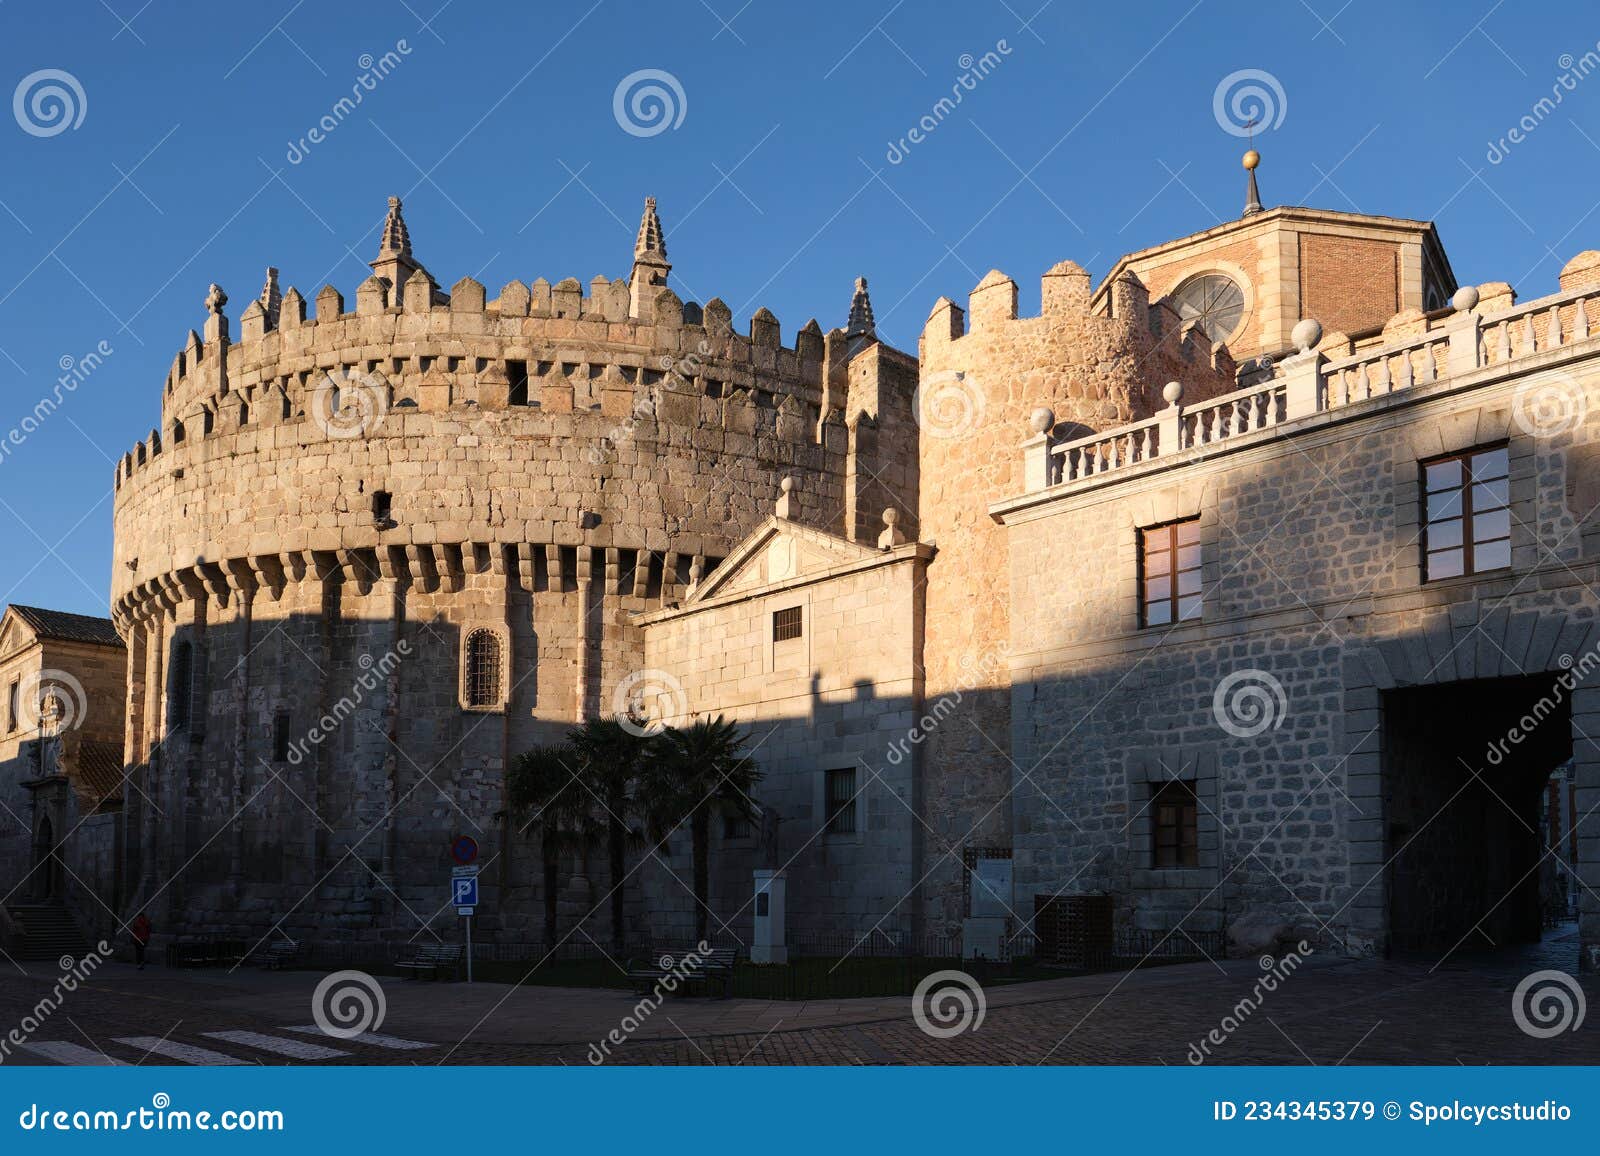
(430, 959)
(713, 972)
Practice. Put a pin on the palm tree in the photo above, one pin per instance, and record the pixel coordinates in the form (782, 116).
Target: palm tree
(689, 775)
(609, 757)
(543, 788)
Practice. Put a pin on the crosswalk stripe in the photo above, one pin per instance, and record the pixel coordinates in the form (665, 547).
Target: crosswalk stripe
(185, 1053)
(294, 1049)
(65, 1053)
(373, 1038)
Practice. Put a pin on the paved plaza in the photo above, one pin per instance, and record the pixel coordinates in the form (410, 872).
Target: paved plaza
(1328, 1012)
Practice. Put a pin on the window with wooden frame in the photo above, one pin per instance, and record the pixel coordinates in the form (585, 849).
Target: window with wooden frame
(1169, 573)
(1175, 826)
(839, 796)
(786, 624)
(1466, 526)
(481, 679)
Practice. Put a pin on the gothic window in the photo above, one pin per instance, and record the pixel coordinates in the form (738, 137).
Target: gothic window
(182, 684)
(1215, 301)
(1169, 573)
(1176, 829)
(1467, 524)
(482, 673)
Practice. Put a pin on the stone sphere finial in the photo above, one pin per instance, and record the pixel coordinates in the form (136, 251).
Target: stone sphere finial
(786, 485)
(1306, 333)
(1172, 392)
(1251, 159)
(1465, 300)
(1041, 419)
(891, 516)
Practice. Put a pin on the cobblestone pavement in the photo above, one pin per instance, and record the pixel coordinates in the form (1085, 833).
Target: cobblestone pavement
(1327, 1012)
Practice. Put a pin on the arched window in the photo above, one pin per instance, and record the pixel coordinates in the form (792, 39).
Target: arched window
(483, 670)
(182, 692)
(1214, 301)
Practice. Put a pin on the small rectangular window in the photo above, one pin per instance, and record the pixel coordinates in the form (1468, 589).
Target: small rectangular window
(786, 624)
(382, 507)
(517, 374)
(280, 737)
(1169, 573)
(1466, 513)
(1175, 814)
(736, 826)
(840, 790)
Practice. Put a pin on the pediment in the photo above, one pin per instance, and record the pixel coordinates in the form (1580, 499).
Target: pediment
(779, 551)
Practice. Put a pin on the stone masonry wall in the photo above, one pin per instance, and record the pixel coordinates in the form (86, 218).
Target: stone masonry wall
(1309, 538)
(977, 392)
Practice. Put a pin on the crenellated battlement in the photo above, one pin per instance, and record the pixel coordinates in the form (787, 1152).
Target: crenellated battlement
(610, 415)
(609, 347)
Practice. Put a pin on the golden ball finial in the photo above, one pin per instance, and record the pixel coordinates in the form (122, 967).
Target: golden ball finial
(1252, 159)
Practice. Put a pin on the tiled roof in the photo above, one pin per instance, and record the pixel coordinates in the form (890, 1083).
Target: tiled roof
(64, 627)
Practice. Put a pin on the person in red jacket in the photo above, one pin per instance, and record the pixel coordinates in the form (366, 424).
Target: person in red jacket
(141, 937)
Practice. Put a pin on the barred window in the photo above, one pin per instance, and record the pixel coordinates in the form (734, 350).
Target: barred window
(736, 826)
(1169, 573)
(1176, 825)
(840, 791)
(483, 669)
(1467, 524)
(786, 624)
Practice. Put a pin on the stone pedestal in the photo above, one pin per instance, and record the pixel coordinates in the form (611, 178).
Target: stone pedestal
(769, 945)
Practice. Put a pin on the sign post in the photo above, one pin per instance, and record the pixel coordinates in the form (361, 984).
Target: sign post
(464, 886)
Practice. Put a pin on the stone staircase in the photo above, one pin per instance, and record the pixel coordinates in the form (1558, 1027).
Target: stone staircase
(49, 930)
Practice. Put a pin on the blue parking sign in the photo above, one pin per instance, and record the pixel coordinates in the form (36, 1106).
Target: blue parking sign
(464, 890)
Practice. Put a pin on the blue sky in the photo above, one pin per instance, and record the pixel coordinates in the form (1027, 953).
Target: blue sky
(1093, 135)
